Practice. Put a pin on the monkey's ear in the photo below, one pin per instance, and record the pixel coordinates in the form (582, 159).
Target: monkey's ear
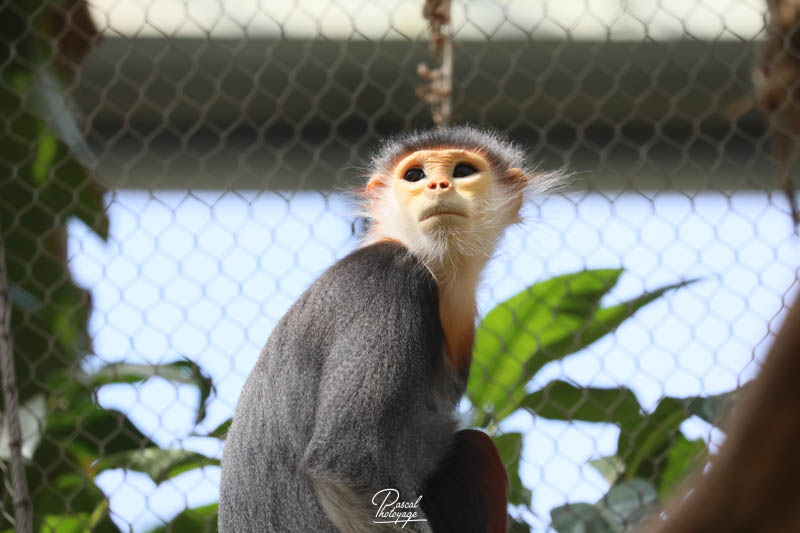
(516, 206)
(515, 176)
(518, 180)
(375, 182)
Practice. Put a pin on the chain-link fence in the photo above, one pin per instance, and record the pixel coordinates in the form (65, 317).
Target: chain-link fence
(175, 174)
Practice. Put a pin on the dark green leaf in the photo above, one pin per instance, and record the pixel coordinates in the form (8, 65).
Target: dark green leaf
(72, 190)
(647, 447)
(159, 464)
(580, 518)
(618, 511)
(610, 467)
(509, 446)
(49, 335)
(682, 458)
(627, 503)
(221, 431)
(644, 447)
(560, 400)
(197, 520)
(70, 494)
(89, 431)
(184, 371)
(712, 408)
(515, 525)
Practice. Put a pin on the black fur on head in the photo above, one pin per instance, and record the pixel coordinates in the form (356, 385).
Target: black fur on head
(499, 151)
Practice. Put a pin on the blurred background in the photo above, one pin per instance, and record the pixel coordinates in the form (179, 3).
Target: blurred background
(175, 174)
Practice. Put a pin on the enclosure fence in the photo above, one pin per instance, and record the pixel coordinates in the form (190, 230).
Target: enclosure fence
(173, 175)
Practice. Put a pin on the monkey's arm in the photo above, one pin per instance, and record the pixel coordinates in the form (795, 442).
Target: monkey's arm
(376, 426)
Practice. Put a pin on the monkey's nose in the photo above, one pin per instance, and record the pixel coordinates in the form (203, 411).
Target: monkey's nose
(442, 184)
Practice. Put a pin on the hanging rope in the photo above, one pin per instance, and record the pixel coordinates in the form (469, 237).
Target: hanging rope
(777, 81)
(437, 82)
(22, 502)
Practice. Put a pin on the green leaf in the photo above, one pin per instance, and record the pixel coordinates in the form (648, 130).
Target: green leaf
(647, 447)
(72, 494)
(580, 518)
(221, 431)
(97, 521)
(560, 400)
(544, 323)
(619, 511)
(45, 154)
(610, 467)
(644, 447)
(78, 523)
(49, 101)
(159, 464)
(514, 331)
(183, 371)
(509, 446)
(712, 408)
(71, 189)
(45, 183)
(627, 503)
(197, 520)
(88, 431)
(682, 458)
(516, 525)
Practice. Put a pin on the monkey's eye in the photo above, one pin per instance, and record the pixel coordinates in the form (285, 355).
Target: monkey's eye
(414, 174)
(463, 170)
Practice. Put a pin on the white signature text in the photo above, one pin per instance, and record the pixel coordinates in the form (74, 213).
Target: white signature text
(392, 511)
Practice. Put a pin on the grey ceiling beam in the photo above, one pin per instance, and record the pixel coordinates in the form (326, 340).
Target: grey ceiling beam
(283, 114)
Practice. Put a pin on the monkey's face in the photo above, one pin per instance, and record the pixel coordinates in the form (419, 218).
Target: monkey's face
(441, 202)
(442, 189)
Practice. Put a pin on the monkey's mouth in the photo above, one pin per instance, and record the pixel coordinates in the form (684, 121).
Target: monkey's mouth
(437, 210)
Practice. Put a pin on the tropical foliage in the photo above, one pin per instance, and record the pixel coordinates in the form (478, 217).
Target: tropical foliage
(548, 322)
(46, 181)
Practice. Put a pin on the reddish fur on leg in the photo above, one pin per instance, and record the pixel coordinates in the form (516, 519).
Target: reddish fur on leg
(468, 493)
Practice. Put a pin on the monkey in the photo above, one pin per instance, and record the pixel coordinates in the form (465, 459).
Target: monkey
(347, 421)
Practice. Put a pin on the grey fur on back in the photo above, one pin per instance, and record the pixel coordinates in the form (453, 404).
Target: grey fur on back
(341, 402)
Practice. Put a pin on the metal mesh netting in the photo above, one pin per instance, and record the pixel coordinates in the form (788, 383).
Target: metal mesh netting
(227, 137)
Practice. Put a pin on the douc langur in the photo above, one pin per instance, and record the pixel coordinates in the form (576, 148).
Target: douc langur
(346, 422)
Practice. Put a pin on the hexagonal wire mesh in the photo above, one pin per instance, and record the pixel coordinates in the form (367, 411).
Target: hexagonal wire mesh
(228, 135)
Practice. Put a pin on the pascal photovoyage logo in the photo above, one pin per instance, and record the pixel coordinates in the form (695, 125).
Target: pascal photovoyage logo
(393, 511)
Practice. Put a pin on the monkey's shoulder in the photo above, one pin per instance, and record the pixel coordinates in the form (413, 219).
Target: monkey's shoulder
(381, 293)
(381, 273)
